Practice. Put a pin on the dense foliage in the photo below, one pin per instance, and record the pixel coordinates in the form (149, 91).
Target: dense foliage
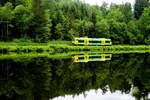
(44, 20)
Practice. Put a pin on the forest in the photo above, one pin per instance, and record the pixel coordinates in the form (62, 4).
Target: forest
(46, 20)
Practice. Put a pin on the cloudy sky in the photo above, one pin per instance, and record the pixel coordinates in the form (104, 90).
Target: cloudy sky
(99, 2)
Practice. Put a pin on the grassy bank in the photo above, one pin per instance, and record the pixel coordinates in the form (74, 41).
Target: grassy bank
(65, 46)
(23, 56)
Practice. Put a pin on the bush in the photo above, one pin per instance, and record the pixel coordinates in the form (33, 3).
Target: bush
(26, 40)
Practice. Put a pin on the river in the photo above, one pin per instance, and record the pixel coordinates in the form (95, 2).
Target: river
(78, 77)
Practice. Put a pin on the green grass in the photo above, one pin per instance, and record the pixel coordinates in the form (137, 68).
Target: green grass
(66, 46)
(20, 56)
(5, 49)
(24, 56)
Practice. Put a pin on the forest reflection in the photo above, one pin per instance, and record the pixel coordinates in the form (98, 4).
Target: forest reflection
(43, 78)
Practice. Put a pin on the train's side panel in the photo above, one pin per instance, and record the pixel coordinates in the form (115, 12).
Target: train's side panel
(92, 42)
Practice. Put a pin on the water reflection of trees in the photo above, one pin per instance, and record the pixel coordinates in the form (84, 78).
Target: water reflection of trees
(43, 78)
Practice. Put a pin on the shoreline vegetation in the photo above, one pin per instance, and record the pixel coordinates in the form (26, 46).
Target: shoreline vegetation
(23, 55)
(66, 46)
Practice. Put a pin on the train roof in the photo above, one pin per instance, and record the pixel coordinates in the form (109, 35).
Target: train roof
(92, 38)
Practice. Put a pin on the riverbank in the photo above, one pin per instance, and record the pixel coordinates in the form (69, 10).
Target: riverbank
(21, 55)
(65, 46)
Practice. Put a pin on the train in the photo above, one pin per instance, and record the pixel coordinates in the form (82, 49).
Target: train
(85, 41)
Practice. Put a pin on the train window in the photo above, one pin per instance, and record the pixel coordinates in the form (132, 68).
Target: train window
(81, 40)
(80, 58)
(95, 57)
(95, 41)
(107, 41)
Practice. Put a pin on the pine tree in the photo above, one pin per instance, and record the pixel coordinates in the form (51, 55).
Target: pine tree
(41, 23)
(145, 24)
(5, 21)
(139, 7)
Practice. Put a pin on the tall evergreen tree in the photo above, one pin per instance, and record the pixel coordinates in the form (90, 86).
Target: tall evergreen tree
(139, 7)
(126, 9)
(21, 21)
(145, 24)
(5, 21)
(41, 23)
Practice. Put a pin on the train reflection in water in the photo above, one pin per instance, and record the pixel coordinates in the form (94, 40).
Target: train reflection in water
(91, 57)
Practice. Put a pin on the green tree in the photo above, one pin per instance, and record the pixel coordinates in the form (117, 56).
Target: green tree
(134, 35)
(115, 14)
(59, 31)
(126, 10)
(5, 21)
(139, 7)
(117, 25)
(104, 8)
(22, 21)
(40, 29)
(83, 27)
(145, 24)
(102, 29)
(73, 33)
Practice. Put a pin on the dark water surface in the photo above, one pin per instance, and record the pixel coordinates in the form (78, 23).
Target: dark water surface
(122, 77)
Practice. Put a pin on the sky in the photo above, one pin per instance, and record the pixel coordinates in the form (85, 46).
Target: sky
(99, 2)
